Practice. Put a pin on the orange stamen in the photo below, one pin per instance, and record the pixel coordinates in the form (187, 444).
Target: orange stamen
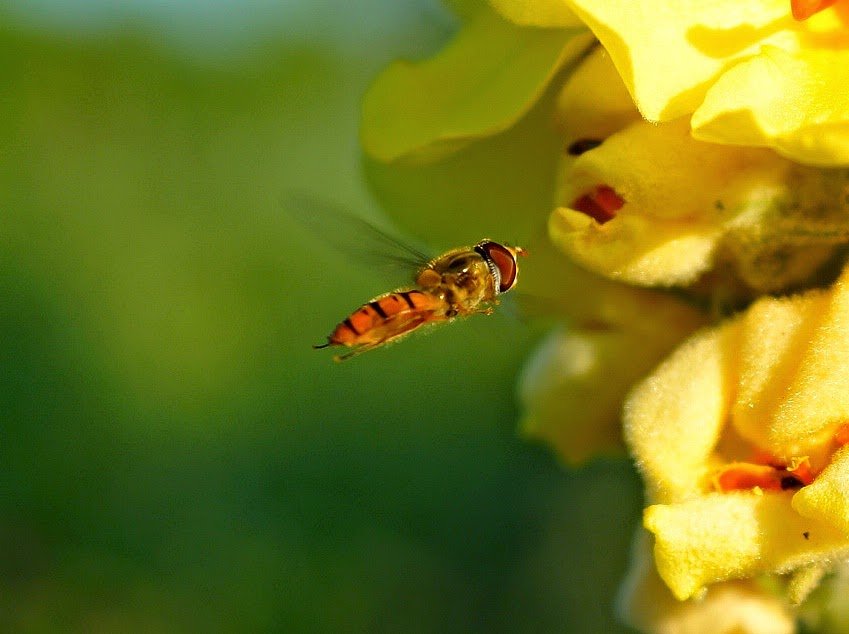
(801, 470)
(765, 458)
(741, 476)
(803, 9)
(601, 204)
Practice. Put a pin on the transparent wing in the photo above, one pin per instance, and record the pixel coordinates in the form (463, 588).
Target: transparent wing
(356, 237)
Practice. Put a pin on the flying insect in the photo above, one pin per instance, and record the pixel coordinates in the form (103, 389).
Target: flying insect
(459, 283)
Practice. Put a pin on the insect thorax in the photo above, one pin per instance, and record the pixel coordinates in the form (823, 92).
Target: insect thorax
(462, 278)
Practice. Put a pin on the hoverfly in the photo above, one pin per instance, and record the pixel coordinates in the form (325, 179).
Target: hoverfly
(458, 283)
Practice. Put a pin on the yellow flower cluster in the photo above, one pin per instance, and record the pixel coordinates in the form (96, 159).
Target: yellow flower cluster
(740, 436)
(683, 207)
(703, 147)
(745, 73)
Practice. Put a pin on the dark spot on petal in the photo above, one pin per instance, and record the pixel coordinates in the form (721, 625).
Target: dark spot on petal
(806, 535)
(580, 146)
(601, 204)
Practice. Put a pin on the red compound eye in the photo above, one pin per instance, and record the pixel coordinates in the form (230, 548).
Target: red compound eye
(601, 204)
(504, 260)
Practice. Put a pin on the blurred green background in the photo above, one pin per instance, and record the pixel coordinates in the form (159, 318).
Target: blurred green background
(173, 455)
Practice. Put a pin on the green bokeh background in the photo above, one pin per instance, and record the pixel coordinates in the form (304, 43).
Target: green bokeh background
(173, 455)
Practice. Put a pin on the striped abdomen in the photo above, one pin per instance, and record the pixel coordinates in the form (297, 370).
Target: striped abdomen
(387, 317)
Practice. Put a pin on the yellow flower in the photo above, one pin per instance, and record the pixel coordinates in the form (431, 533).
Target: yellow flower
(649, 205)
(740, 437)
(480, 84)
(731, 607)
(748, 73)
(573, 386)
(740, 434)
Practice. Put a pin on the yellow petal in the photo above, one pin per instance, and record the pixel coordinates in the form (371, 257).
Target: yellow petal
(827, 498)
(796, 103)
(669, 53)
(673, 419)
(670, 225)
(774, 336)
(594, 103)
(731, 607)
(479, 84)
(666, 174)
(476, 192)
(726, 536)
(573, 387)
(817, 400)
(572, 391)
(793, 385)
(546, 13)
(634, 249)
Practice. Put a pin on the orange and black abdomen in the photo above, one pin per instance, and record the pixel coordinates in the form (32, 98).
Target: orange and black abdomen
(387, 317)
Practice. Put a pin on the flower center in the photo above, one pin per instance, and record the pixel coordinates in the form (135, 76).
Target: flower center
(767, 477)
(766, 473)
(600, 204)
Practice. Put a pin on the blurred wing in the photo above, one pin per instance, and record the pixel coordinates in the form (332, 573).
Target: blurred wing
(356, 237)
